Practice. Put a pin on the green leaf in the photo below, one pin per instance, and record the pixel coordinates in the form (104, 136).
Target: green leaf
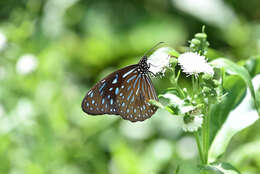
(220, 168)
(169, 105)
(177, 170)
(253, 65)
(234, 69)
(174, 53)
(209, 168)
(240, 118)
(235, 89)
(172, 103)
(172, 98)
(170, 110)
(156, 103)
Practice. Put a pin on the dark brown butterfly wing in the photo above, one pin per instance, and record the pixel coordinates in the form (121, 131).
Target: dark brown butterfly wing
(134, 102)
(125, 92)
(101, 99)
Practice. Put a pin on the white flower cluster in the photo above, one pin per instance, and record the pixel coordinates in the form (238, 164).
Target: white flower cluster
(193, 64)
(193, 125)
(26, 64)
(196, 118)
(159, 60)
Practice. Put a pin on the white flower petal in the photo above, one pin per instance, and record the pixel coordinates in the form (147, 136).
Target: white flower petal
(185, 109)
(193, 64)
(173, 99)
(193, 125)
(159, 60)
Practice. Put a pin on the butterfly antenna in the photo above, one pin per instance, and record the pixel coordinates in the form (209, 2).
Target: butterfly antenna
(152, 48)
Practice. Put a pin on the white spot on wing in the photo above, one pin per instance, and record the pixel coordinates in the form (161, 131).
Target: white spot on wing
(126, 74)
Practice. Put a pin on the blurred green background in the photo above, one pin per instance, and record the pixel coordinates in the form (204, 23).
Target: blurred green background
(53, 51)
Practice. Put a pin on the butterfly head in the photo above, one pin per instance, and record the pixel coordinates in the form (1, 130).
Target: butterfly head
(143, 67)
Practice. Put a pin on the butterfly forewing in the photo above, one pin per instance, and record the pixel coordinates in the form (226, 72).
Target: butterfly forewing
(101, 99)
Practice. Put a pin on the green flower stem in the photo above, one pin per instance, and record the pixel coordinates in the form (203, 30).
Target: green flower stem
(205, 132)
(193, 85)
(178, 75)
(196, 134)
(208, 129)
(180, 91)
(202, 151)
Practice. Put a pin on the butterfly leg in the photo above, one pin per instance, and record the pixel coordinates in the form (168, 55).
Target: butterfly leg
(152, 73)
(149, 65)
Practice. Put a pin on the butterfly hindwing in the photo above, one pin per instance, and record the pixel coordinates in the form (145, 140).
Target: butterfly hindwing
(134, 102)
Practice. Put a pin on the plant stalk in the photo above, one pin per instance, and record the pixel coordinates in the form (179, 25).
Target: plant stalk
(205, 132)
(196, 134)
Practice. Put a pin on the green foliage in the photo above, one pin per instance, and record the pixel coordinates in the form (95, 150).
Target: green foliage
(225, 123)
(220, 168)
(234, 69)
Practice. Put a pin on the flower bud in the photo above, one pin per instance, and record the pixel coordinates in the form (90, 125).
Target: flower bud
(195, 42)
(216, 83)
(207, 77)
(206, 90)
(173, 62)
(188, 118)
(201, 36)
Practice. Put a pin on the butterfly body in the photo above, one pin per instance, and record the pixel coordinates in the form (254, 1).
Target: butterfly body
(125, 92)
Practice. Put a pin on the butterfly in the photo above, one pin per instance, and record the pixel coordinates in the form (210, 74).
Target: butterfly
(125, 92)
